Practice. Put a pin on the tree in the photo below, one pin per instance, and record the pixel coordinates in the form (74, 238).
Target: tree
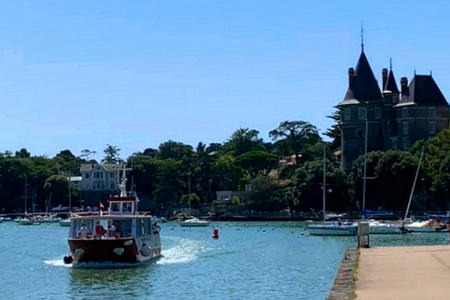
(297, 135)
(175, 150)
(266, 195)
(87, 154)
(243, 140)
(257, 162)
(112, 154)
(57, 187)
(22, 153)
(335, 131)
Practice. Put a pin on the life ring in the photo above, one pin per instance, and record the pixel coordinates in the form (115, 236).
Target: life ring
(146, 250)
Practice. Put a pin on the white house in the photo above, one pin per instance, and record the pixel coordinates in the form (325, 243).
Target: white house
(96, 177)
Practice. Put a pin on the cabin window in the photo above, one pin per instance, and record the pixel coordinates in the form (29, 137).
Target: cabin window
(127, 207)
(115, 207)
(432, 128)
(139, 227)
(147, 226)
(76, 226)
(362, 113)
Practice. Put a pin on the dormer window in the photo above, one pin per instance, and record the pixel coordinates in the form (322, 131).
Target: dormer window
(362, 113)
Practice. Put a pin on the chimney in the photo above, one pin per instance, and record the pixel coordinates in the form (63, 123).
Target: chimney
(351, 76)
(404, 85)
(384, 75)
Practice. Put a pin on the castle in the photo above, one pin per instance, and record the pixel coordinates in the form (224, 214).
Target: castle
(392, 118)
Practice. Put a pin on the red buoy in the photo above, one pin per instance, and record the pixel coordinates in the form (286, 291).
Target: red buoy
(215, 234)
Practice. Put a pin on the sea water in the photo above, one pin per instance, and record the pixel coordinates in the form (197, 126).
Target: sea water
(253, 260)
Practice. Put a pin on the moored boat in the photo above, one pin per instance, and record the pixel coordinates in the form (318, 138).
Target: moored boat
(65, 222)
(194, 222)
(376, 227)
(119, 236)
(333, 228)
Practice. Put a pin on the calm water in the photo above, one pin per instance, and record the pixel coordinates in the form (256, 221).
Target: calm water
(250, 260)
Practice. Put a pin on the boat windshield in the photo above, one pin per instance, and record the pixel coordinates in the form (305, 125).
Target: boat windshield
(101, 228)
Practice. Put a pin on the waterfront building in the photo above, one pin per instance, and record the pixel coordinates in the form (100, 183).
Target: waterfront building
(99, 181)
(395, 118)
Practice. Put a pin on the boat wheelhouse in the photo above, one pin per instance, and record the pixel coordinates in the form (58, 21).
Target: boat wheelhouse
(119, 235)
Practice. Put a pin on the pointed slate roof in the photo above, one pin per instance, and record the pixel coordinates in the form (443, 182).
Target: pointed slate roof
(364, 87)
(423, 90)
(391, 85)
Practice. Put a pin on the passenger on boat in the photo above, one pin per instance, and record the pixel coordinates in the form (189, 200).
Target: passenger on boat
(84, 232)
(99, 230)
(112, 231)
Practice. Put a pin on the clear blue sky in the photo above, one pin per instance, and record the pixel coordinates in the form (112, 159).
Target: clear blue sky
(83, 74)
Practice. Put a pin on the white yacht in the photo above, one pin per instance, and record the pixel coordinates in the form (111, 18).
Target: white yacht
(194, 222)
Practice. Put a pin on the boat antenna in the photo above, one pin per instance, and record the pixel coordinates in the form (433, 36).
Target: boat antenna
(414, 185)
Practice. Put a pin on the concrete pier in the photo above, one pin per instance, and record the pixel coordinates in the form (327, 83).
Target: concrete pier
(417, 272)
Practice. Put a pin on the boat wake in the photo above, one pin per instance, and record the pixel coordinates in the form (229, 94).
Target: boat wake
(184, 252)
(58, 262)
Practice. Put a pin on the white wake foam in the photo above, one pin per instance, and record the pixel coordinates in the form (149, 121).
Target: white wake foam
(185, 251)
(58, 262)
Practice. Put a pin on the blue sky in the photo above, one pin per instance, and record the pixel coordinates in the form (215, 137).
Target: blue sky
(83, 74)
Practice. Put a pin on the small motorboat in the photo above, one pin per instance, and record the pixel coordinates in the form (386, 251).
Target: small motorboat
(194, 222)
(425, 226)
(65, 222)
(376, 227)
(333, 229)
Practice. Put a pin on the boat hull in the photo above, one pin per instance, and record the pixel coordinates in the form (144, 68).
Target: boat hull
(332, 230)
(185, 224)
(120, 250)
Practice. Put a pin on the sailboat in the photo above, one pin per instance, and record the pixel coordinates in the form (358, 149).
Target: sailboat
(430, 225)
(335, 228)
(375, 227)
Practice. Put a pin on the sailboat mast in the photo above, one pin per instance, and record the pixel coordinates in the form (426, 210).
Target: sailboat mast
(324, 191)
(414, 185)
(25, 193)
(365, 166)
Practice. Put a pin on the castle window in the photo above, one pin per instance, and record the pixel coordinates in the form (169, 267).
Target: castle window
(432, 112)
(405, 128)
(394, 142)
(378, 113)
(362, 113)
(405, 143)
(404, 112)
(347, 114)
(432, 128)
(87, 175)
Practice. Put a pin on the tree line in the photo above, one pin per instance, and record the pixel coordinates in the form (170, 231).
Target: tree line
(283, 173)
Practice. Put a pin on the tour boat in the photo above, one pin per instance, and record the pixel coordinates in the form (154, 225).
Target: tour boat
(194, 222)
(120, 236)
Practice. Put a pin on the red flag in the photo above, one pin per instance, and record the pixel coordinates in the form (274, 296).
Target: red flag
(101, 206)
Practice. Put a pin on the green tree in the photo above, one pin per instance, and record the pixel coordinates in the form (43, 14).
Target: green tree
(296, 135)
(243, 140)
(257, 162)
(112, 154)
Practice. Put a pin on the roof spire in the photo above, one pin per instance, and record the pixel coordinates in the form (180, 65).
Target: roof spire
(390, 64)
(362, 37)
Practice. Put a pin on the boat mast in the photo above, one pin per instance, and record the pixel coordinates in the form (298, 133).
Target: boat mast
(414, 185)
(25, 193)
(70, 196)
(324, 192)
(365, 167)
